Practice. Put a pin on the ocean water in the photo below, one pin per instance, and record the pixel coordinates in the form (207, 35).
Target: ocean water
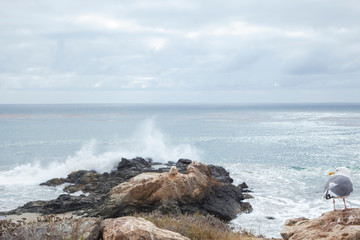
(283, 152)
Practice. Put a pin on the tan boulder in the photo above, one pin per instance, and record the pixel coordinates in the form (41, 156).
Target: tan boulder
(133, 228)
(149, 188)
(340, 224)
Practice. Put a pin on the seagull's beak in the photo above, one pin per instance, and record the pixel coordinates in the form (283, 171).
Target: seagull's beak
(331, 173)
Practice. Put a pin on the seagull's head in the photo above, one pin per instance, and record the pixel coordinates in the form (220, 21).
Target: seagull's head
(341, 171)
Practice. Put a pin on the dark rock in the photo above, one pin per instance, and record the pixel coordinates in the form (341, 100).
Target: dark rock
(129, 168)
(169, 207)
(31, 207)
(170, 163)
(74, 176)
(220, 174)
(135, 163)
(182, 165)
(53, 182)
(68, 203)
(244, 188)
(184, 161)
(73, 188)
(63, 203)
(246, 207)
(156, 163)
(224, 202)
(243, 185)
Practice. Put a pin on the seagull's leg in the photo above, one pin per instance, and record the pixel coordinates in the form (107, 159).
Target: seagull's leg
(334, 204)
(344, 203)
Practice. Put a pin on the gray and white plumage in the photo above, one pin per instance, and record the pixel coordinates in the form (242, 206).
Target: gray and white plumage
(338, 185)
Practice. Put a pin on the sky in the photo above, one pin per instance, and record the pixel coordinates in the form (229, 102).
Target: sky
(179, 51)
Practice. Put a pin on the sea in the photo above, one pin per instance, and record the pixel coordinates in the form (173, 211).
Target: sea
(283, 152)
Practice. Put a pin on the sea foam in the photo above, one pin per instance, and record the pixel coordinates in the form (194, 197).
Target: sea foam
(148, 141)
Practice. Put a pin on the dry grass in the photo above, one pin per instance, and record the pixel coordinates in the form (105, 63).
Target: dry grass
(197, 227)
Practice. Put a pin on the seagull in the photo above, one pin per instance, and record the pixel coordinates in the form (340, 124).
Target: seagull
(339, 185)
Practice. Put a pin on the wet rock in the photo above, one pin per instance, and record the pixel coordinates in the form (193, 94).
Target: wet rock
(246, 207)
(75, 176)
(184, 161)
(133, 228)
(220, 174)
(182, 165)
(225, 202)
(248, 196)
(53, 182)
(74, 188)
(63, 203)
(81, 228)
(244, 187)
(331, 225)
(137, 163)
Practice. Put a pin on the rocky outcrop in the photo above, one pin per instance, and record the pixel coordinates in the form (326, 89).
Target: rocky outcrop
(340, 224)
(133, 228)
(93, 182)
(81, 228)
(181, 187)
(196, 191)
(62, 204)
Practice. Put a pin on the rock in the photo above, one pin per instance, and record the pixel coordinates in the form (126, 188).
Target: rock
(220, 174)
(195, 191)
(75, 176)
(243, 185)
(182, 165)
(132, 228)
(247, 196)
(81, 228)
(340, 224)
(184, 161)
(147, 189)
(63, 203)
(244, 188)
(53, 182)
(225, 202)
(136, 164)
(74, 188)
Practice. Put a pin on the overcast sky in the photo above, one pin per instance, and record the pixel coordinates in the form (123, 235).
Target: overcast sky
(231, 51)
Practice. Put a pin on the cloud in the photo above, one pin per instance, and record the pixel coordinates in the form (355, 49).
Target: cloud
(185, 46)
(101, 21)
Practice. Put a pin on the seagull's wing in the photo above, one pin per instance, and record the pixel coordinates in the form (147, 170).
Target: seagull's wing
(338, 186)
